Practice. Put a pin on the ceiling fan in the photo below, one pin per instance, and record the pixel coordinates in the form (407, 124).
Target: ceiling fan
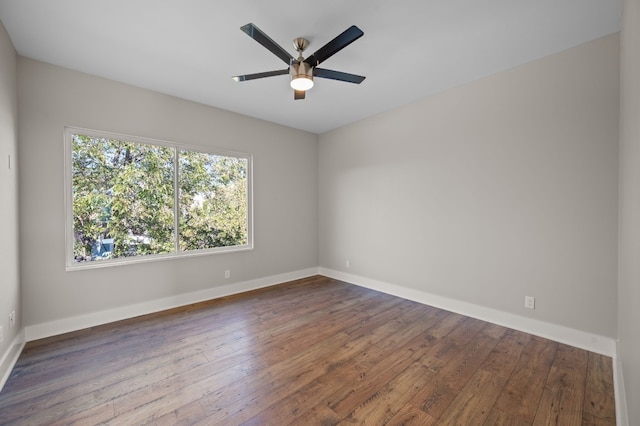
(303, 70)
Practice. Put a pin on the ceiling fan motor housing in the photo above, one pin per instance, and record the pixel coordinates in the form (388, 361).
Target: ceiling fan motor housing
(302, 74)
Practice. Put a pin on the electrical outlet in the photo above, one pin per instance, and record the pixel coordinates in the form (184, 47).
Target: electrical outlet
(347, 264)
(227, 273)
(12, 319)
(1, 335)
(530, 302)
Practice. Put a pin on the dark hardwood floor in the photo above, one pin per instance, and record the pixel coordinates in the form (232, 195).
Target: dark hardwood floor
(310, 352)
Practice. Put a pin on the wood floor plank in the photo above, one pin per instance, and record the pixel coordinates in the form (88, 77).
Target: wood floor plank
(383, 405)
(521, 395)
(385, 312)
(434, 398)
(498, 417)
(130, 379)
(95, 415)
(295, 404)
(315, 351)
(389, 362)
(168, 395)
(411, 416)
(186, 415)
(599, 401)
(563, 395)
(245, 399)
(506, 354)
(320, 415)
(343, 370)
(473, 403)
(288, 346)
(591, 420)
(250, 406)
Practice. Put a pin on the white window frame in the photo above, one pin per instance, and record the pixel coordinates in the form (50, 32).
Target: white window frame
(71, 265)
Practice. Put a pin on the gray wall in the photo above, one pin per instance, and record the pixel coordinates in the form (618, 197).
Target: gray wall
(9, 246)
(285, 192)
(498, 189)
(629, 287)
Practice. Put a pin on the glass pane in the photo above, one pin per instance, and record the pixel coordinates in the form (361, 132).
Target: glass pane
(213, 201)
(123, 199)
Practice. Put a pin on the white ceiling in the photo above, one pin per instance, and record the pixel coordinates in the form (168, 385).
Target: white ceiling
(410, 48)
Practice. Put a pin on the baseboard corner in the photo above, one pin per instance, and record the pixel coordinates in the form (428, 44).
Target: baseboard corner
(10, 357)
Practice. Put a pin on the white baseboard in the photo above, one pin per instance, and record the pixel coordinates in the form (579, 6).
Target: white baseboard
(577, 338)
(622, 418)
(10, 357)
(65, 325)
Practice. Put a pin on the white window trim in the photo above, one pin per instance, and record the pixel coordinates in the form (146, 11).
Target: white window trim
(68, 200)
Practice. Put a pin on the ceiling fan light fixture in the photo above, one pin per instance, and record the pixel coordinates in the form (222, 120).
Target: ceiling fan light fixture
(303, 83)
(301, 76)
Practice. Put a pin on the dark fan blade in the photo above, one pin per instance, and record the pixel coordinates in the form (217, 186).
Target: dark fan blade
(257, 34)
(337, 75)
(347, 37)
(298, 94)
(260, 75)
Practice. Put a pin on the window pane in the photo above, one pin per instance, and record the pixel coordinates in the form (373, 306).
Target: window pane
(130, 198)
(213, 201)
(123, 198)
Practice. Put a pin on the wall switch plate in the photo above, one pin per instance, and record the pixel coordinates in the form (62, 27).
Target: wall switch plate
(347, 264)
(530, 302)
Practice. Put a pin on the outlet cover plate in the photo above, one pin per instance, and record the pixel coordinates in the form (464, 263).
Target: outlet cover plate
(530, 302)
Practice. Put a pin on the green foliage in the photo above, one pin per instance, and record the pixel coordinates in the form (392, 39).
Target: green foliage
(125, 191)
(213, 201)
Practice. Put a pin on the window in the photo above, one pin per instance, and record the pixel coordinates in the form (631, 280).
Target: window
(131, 199)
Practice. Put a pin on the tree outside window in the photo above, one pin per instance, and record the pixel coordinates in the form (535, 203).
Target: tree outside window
(131, 199)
